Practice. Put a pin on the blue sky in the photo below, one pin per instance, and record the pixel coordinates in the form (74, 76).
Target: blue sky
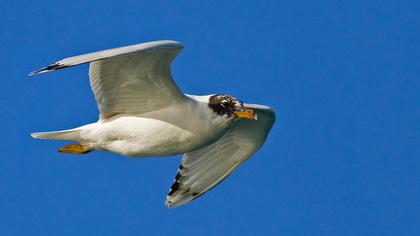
(341, 159)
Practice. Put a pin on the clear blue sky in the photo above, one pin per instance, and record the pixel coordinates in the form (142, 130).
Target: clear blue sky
(343, 157)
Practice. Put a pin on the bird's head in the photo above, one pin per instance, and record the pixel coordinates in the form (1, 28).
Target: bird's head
(224, 104)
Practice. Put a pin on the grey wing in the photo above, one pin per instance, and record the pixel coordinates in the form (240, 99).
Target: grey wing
(204, 168)
(132, 79)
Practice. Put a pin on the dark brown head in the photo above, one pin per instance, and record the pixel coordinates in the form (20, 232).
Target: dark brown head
(223, 104)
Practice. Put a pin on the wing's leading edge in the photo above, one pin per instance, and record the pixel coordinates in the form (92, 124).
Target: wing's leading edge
(204, 168)
(133, 79)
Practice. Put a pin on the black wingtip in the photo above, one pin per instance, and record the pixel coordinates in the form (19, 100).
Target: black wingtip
(49, 68)
(176, 184)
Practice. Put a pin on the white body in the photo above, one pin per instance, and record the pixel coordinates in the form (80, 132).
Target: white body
(141, 135)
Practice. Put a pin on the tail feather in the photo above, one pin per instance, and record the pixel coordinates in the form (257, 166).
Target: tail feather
(71, 134)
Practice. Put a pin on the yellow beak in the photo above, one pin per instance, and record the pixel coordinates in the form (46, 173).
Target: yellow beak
(247, 114)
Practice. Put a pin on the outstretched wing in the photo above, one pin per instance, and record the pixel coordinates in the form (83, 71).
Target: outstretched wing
(132, 79)
(204, 168)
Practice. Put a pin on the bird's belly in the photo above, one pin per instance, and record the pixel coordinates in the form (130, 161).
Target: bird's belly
(137, 136)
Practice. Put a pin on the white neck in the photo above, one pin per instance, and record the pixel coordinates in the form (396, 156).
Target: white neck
(204, 98)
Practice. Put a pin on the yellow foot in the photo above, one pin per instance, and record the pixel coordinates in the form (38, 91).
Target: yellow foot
(75, 149)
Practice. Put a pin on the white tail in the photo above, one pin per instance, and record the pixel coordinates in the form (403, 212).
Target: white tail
(71, 134)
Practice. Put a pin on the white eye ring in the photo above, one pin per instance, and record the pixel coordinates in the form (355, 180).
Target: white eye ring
(223, 103)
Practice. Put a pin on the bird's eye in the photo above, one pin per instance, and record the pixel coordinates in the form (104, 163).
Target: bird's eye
(224, 103)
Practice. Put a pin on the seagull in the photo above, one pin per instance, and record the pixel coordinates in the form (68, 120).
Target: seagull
(143, 113)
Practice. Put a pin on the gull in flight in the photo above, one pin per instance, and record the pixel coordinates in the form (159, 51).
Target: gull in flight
(144, 113)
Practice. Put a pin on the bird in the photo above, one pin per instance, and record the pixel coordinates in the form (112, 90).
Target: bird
(143, 113)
